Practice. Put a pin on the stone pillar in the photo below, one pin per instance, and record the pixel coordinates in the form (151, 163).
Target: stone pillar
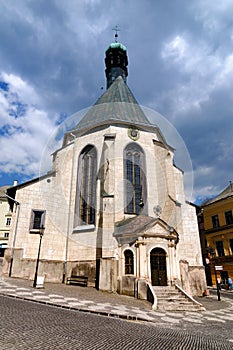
(171, 258)
(107, 193)
(140, 244)
(137, 260)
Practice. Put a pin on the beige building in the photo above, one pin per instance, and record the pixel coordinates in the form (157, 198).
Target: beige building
(5, 220)
(113, 206)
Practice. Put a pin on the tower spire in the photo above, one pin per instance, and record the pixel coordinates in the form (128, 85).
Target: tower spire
(116, 60)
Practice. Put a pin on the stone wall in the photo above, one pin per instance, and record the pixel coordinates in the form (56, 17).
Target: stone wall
(83, 268)
(193, 279)
(108, 274)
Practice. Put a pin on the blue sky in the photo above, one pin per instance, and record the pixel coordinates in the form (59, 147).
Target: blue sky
(180, 64)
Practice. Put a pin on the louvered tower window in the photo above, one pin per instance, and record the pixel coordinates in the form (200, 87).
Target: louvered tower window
(86, 191)
(135, 188)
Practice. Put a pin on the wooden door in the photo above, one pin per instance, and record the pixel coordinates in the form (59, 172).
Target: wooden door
(158, 267)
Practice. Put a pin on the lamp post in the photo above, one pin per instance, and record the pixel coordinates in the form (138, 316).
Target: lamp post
(216, 279)
(41, 232)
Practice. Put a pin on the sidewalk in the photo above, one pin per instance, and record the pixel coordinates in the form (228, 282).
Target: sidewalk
(88, 299)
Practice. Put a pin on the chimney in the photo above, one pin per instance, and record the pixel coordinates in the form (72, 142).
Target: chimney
(15, 183)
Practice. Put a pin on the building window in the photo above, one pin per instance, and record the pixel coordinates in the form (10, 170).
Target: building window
(231, 245)
(215, 221)
(229, 217)
(86, 187)
(6, 234)
(2, 251)
(129, 262)
(220, 248)
(37, 219)
(8, 221)
(135, 187)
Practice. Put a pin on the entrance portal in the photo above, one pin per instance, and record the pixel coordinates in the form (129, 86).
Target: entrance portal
(158, 267)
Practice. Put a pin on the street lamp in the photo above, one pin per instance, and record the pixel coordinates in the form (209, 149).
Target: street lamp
(41, 232)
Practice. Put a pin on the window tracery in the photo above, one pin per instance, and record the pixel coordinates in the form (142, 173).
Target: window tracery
(135, 188)
(86, 190)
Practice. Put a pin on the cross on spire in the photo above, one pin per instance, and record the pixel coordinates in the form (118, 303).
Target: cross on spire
(116, 30)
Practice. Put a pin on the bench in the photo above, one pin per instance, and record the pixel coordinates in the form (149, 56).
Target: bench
(80, 280)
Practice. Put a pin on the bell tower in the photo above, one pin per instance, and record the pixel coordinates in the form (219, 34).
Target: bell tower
(116, 61)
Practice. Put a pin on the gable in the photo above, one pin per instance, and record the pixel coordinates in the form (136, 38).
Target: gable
(127, 231)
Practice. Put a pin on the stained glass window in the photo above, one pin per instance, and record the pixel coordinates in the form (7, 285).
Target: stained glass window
(135, 189)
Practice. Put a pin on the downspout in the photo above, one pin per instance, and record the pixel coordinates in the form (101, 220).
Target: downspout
(68, 224)
(16, 227)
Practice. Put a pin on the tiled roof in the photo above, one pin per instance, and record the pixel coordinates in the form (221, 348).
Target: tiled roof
(116, 104)
(135, 224)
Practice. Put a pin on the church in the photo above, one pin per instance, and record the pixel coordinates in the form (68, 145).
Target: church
(112, 208)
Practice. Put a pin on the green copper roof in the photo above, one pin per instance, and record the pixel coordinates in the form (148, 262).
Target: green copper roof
(117, 104)
(116, 46)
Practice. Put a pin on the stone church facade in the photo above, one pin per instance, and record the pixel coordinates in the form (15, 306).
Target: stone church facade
(113, 207)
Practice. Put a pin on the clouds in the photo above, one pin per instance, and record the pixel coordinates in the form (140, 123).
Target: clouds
(199, 98)
(200, 72)
(180, 64)
(213, 16)
(24, 128)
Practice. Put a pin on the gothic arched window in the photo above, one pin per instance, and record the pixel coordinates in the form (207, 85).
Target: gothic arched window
(86, 187)
(129, 262)
(134, 170)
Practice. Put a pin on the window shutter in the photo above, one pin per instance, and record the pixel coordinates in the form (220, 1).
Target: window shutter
(42, 223)
(32, 220)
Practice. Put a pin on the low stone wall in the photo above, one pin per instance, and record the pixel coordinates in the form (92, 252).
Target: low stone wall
(98, 272)
(132, 286)
(193, 279)
(126, 285)
(51, 270)
(83, 268)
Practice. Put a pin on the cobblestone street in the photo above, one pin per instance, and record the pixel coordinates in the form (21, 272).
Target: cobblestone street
(28, 325)
(71, 317)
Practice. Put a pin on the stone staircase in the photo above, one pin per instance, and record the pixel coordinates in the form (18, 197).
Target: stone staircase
(173, 299)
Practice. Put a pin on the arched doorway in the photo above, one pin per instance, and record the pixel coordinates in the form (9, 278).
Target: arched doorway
(158, 267)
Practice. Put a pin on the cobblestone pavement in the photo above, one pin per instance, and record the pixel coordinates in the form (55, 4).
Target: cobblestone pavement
(109, 304)
(32, 326)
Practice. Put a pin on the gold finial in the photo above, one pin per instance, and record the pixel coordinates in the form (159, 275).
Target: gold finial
(116, 35)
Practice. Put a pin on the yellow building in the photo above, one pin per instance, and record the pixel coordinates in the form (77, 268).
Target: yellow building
(218, 231)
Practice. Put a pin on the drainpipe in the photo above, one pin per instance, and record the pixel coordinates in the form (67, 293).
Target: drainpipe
(16, 227)
(68, 224)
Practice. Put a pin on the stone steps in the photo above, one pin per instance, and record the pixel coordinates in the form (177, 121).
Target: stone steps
(172, 299)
